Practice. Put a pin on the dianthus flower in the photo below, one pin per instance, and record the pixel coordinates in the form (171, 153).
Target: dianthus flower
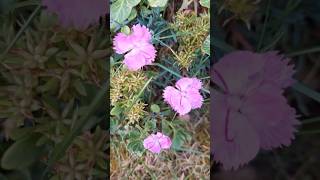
(77, 13)
(185, 96)
(137, 46)
(156, 142)
(250, 111)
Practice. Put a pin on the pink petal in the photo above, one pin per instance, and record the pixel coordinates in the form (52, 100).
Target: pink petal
(122, 43)
(156, 142)
(185, 84)
(142, 33)
(270, 114)
(232, 72)
(149, 53)
(234, 140)
(151, 143)
(165, 141)
(195, 99)
(176, 100)
(277, 69)
(137, 58)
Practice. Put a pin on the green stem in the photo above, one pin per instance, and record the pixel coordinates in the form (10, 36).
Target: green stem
(309, 132)
(167, 69)
(303, 52)
(264, 26)
(174, 53)
(306, 91)
(139, 94)
(311, 120)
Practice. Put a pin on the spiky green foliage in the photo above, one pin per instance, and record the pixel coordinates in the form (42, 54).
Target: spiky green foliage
(48, 80)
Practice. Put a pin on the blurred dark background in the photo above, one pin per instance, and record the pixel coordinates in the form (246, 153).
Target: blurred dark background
(293, 28)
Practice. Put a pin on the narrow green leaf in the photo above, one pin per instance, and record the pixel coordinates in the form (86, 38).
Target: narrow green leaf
(77, 48)
(80, 87)
(307, 91)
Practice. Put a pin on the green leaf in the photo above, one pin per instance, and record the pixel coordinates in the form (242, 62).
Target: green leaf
(67, 109)
(155, 108)
(125, 30)
(133, 135)
(120, 10)
(77, 48)
(50, 85)
(80, 87)
(306, 91)
(132, 15)
(206, 45)
(116, 111)
(136, 147)
(20, 133)
(51, 106)
(157, 3)
(179, 138)
(113, 126)
(64, 83)
(205, 3)
(22, 153)
(151, 124)
(165, 127)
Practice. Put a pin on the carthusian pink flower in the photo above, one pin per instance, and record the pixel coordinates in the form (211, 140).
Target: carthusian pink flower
(156, 142)
(137, 46)
(77, 13)
(185, 96)
(249, 111)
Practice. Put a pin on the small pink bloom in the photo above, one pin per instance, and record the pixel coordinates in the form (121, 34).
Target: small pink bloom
(250, 113)
(185, 96)
(156, 142)
(77, 13)
(137, 45)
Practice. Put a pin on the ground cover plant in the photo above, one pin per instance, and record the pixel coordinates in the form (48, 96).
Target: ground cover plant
(53, 71)
(159, 89)
(285, 34)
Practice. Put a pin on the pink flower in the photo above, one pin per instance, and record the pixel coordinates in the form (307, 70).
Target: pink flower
(77, 13)
(156, 142)
(250, 112)
(185, 96)
(137, 45)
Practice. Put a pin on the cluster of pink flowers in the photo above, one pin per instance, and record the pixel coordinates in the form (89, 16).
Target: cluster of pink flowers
(184, 97)
(250, 113)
